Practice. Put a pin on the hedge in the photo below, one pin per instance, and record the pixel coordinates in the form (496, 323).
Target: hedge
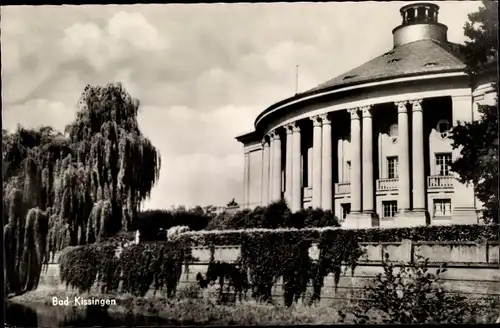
(475, 233)
(277, 215)
(138, 267)
(266, 255)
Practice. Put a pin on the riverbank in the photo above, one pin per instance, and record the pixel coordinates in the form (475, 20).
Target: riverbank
(195, 310)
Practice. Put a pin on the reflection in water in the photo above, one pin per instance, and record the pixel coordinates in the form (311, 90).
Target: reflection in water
(19, 315)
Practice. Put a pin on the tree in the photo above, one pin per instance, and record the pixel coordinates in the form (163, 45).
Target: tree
(478, 140)
(77, 188)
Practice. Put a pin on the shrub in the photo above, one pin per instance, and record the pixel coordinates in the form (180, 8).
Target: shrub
(151, 222)
(192, 291)
(272, 253)
(138, 267)
(275, 215)
(476, 233)
(411, 296)
(317, 218)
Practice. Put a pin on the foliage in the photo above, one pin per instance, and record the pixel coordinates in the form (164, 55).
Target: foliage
(144, 264)
(24, 261)
(192, 292)
(478, 164)
(411, 295)
(275, 215)
(477, 233)
(87, 184)
(482, 31)
(138, 267)
(283, 253)
(478, 140)
(151, 222)
(79, 267)
(266, 256)
(174, 232)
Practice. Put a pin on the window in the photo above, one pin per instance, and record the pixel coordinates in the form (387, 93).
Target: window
(442, 207)
(347, 178)
(393, 60)
(348, 77)
(390, 208)
(443, 162)
(393, 130)
(346, 209)
(443, 128)
(392, 167)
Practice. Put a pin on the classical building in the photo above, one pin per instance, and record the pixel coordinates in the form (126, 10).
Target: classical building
(372, 144)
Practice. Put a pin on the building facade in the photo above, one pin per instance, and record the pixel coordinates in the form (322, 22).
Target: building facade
(372, 144)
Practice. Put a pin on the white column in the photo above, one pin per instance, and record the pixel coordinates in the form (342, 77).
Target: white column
(288, 164)
(419, 179)
(271, 168)
(403, 158)
(326, 164)
(316, 162)
(355, 161)
(368, 182)
(297, 188)
(463, 201)
(246, 181)
(275, 137)
(265, 171)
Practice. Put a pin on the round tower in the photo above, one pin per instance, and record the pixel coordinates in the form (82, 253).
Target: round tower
(420, 22)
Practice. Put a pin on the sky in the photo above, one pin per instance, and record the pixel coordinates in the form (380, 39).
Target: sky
(202, 72)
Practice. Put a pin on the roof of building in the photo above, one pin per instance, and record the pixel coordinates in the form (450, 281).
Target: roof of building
(411, 59)
(419, 57)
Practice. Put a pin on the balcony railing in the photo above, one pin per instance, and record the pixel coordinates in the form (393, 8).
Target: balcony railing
(342, 188)
(387, 184)
(308, 192)
(440, 181)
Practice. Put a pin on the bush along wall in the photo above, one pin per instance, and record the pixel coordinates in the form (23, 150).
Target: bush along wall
(276, 215)
(270, 254)
(138, 267)
(266, 256)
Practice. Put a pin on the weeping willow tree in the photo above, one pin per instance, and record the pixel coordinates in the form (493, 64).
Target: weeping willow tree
(74, 188)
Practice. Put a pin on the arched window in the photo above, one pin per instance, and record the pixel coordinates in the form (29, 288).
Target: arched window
(443, 128)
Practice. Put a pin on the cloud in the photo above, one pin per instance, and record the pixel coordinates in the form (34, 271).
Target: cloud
(202, 72)
(37, 113)
(125, 34)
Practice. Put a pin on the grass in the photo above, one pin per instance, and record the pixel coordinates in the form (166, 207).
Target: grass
(192, 306)
(199, 310)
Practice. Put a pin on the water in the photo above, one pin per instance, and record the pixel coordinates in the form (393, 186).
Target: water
(20, 315)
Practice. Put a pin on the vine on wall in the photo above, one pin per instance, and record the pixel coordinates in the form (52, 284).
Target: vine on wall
(271, 254)
(138, 267)
(266, 255)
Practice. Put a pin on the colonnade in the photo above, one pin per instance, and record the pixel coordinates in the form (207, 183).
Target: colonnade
(362, 175)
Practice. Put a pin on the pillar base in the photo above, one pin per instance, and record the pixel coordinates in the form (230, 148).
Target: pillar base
(407, 219)
(464, 215)
(358, 221)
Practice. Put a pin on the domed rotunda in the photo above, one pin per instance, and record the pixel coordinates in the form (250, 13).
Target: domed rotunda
(372, 144)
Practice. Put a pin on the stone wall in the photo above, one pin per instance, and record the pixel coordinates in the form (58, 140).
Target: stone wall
(473, 269)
